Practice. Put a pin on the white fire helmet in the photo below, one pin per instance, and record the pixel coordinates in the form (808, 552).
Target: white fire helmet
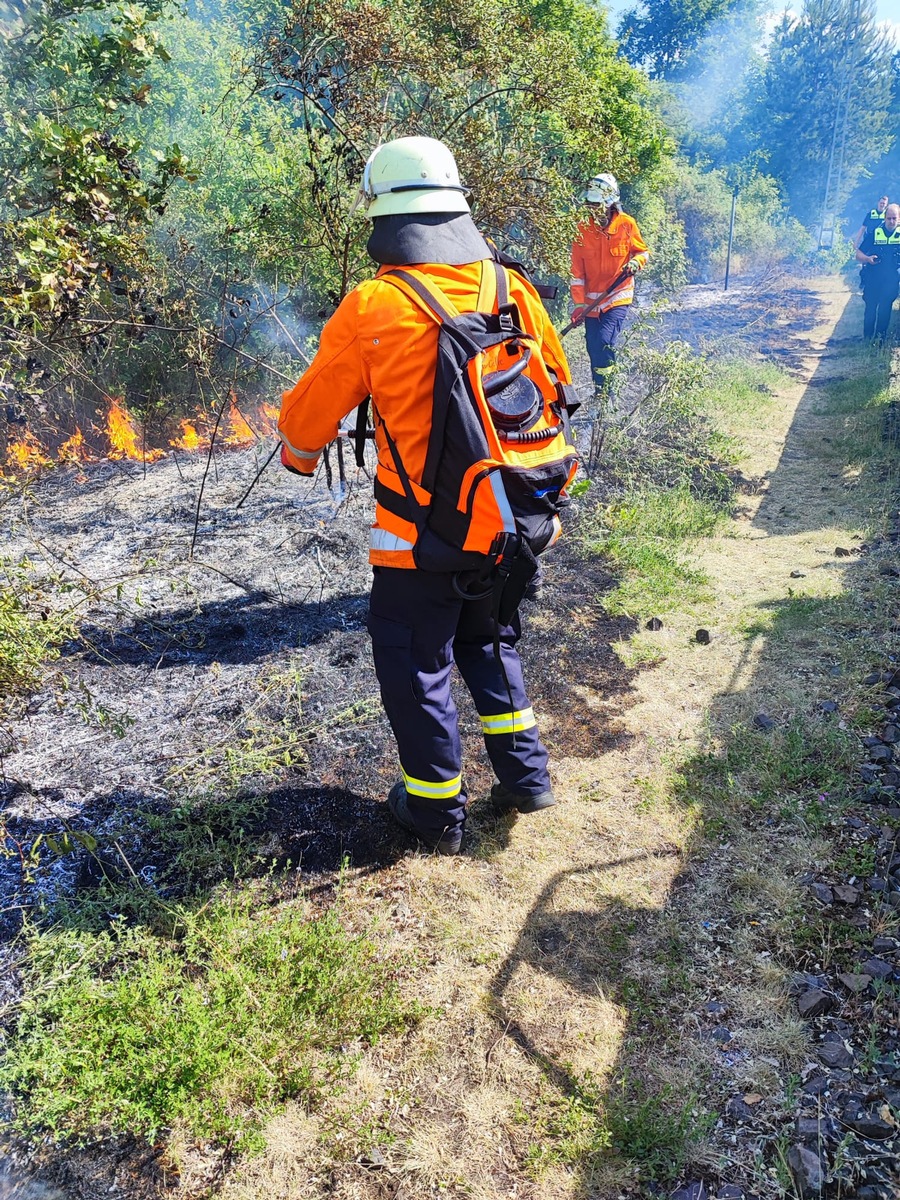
(411, 175)
(602, 189)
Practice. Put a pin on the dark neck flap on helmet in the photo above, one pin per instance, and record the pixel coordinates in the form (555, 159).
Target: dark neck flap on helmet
(403, 239)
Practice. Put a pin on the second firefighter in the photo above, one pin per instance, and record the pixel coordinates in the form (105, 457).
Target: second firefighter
(608, 244)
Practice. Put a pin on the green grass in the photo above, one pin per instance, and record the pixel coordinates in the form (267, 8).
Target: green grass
(799, 772)
(668, 467)
(653, 1131)
(213, 1030)
(31, 630)
(565, 1129)
(656, 1132)
(740, 393)
(857, 403)
(644, 535)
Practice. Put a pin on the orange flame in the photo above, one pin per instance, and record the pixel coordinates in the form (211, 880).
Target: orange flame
(123, 436)
(269, 414)
(190, 438)
(72, 449)
(237, 431)
(26, 453)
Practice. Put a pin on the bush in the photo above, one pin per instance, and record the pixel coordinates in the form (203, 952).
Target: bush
(764, 234)
(124, 1032)
(663, 231)
(30, 630)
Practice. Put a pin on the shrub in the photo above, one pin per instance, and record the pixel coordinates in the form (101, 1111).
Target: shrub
(125, 1032)
(30, 629)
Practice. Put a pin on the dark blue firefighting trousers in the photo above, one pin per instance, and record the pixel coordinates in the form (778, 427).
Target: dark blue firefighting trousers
(419, 627)
(601, 334)
(879, 293)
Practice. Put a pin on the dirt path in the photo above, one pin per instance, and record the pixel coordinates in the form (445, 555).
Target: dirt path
(526, 939)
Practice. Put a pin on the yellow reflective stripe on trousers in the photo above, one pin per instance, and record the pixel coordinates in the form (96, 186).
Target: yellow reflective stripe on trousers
(444, 789)
(602, 370)
(509, 722)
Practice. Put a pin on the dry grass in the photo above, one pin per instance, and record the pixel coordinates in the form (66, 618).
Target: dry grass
(528, 946)
(566, 963)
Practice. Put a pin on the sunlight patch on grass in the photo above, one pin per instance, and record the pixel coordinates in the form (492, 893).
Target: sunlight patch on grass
(741, 392)
(644, 535)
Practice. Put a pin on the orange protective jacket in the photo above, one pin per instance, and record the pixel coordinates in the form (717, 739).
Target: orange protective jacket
(379, 343)
(598, 256)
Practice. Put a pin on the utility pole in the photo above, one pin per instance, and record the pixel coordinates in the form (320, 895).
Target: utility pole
(847, 82)
(730, 238)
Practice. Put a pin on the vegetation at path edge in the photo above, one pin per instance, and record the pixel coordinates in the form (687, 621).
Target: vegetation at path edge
(673, 462)
(210, 1029)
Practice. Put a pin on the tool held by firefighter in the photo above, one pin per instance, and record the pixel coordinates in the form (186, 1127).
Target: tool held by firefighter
(607, 252)
(594, 305)
(470, 394)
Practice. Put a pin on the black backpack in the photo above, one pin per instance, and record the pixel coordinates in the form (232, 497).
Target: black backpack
(500, 452)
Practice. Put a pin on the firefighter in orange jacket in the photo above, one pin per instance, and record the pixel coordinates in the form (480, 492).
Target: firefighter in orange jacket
(607, 245)
(380, 343)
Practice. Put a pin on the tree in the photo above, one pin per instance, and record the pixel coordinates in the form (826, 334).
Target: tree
(882, 175)
(117, 280)
(531, 96)
(812, 59)
(74, 200)
(79, 196)
(666, 37)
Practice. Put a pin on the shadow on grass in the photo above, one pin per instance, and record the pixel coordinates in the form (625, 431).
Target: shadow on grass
(796, 778)
(238, 630)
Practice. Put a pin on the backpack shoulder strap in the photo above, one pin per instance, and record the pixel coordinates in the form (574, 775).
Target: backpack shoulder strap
(433, 301)
(359, 432)
(508, 312)
(487, 290)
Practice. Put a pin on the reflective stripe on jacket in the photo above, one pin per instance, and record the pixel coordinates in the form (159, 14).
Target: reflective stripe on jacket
(598, 256)
(380, 343)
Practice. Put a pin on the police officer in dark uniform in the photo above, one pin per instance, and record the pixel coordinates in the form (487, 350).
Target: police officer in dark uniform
(880, 255)
(870, 221)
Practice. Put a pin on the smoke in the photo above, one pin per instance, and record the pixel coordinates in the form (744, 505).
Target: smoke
(725, 58)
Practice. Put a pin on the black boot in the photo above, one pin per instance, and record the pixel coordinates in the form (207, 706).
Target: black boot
(505, 801)
(449, 841)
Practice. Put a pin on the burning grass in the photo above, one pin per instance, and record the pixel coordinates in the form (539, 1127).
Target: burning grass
(120, 436)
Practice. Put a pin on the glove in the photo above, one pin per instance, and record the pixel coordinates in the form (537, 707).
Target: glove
(633, 266)
(578, 313)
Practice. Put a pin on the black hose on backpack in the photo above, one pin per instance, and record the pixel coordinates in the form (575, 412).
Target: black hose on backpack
(495, 588)
(465, 595)
(499, 588)
(530, 435)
